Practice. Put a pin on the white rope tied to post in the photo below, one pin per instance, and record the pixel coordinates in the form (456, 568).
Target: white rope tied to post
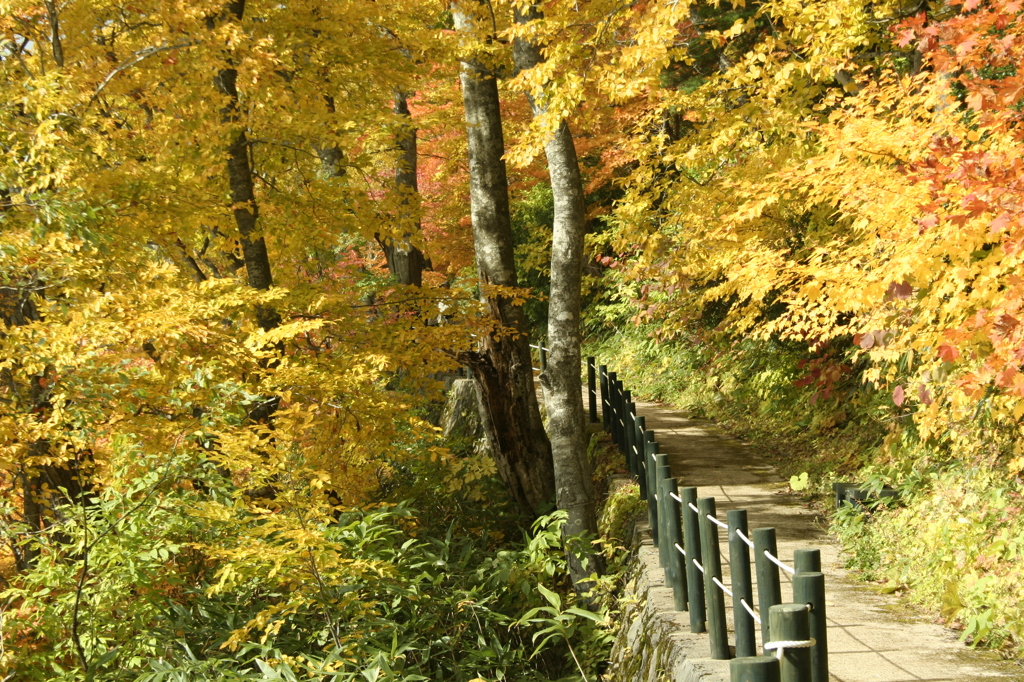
(775, 560)
(722, 587)
(753, 614)
(676, 498)
(789, 644)
(693, 507)
(745, 539)
(697, 564)
(718, 523)
(681, 550)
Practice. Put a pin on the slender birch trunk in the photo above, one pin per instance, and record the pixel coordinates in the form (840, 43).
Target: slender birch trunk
(561, 381)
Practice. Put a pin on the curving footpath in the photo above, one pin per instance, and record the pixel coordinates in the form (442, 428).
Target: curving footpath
(869, 638)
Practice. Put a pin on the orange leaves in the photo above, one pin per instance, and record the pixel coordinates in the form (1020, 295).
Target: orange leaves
(948, 353)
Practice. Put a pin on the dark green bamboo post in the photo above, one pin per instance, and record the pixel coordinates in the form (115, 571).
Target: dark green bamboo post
(807, 560)
(713, 594)
(754, 669)
(628, 428)
(620, 414)
(634, 443)
(809, 589)
(691, 544)
(543, 355)
(606, 412)
(631, 429)
(789, 623)
(675, 543)
(634, 439)
(592, 387)
(652, 489)
(662, 473)
(641, 464)
(613, 407)
(769, 590)
(640, 440)
(742, 587)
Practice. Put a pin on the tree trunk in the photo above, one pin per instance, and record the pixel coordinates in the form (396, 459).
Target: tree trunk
(244, 205)
(405, 261)
(522, 452)
(44, 486)
(243, 195)
(561, 380)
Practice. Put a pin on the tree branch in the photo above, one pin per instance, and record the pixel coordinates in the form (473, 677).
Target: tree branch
(132, 61)
(55, 44)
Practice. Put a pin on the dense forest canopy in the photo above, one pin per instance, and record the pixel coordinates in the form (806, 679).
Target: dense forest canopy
(244, 244)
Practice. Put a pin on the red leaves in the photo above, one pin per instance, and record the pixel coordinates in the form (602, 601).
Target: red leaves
(948, 353)
(898, 396)
(823, 373)
(911, 29)
(907, 36)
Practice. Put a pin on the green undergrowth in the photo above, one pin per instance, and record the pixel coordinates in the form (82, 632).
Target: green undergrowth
(434, 583)
(748, 387)
(954, 545)
(954, 542)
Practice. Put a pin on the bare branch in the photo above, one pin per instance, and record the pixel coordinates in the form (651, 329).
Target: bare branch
(133, 60)
(55, 44)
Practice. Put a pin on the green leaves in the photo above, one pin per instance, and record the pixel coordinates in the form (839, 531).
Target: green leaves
(552, 598)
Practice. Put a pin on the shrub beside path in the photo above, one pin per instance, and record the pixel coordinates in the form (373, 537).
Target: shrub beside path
(870, 636)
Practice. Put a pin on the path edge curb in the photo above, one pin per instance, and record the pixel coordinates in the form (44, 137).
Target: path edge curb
(653, 642)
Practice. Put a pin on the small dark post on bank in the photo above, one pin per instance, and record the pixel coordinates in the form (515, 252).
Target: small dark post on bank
(754, 669)
(592, 388)
(605, 409)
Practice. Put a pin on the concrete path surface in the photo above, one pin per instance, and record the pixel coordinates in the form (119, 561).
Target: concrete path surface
(869, 637)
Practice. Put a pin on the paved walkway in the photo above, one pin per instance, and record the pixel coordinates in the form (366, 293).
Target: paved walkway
(869, 637)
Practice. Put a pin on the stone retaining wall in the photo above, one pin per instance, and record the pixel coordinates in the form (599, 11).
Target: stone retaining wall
(654, 643)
